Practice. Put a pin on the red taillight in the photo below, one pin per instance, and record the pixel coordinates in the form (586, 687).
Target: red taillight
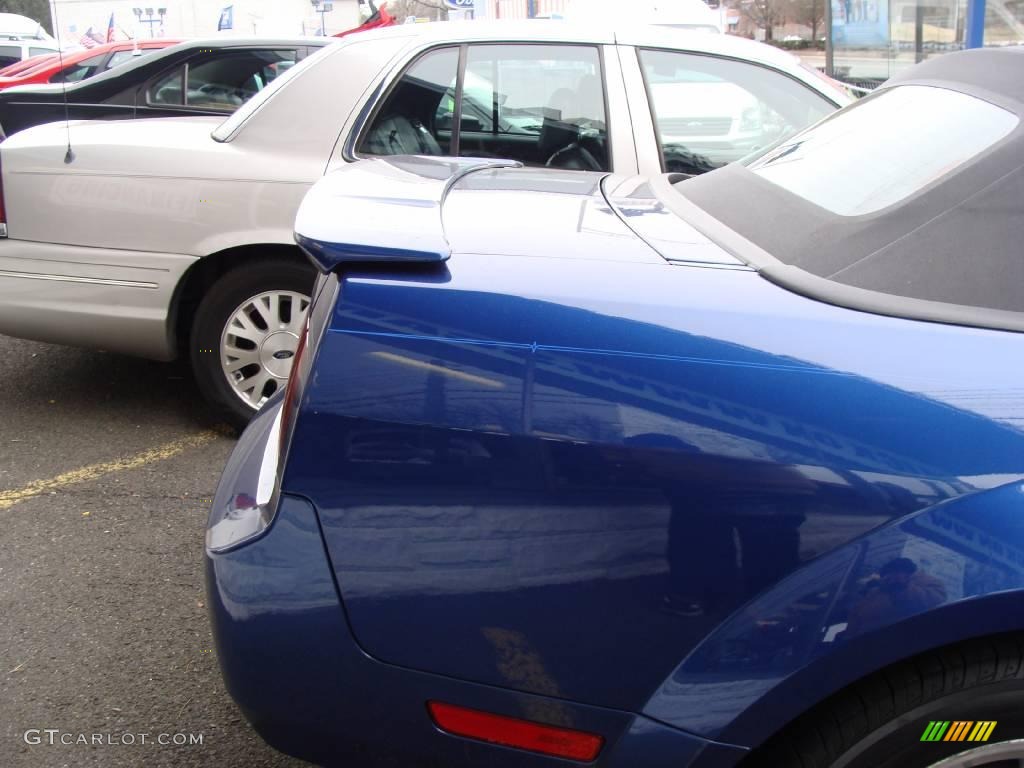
(512, 732)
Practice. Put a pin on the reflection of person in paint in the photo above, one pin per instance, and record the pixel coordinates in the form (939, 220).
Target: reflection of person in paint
(898, 590)
(733, 529)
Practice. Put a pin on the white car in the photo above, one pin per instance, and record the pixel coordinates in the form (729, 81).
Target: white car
(173, 236)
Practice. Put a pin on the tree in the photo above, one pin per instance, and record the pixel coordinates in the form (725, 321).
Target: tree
(766, 14)
(810, 13)
(38, 10)
(401, 9)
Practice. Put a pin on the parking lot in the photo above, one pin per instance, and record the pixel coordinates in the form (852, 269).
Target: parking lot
(106, 466)
(610, 383)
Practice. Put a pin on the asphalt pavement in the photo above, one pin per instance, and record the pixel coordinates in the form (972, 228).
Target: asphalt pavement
(107, 466)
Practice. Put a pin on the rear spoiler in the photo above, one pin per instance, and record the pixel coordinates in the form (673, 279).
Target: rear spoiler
(383, 210)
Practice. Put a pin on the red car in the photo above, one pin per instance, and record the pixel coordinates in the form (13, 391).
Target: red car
(79, 65)
(20, 67)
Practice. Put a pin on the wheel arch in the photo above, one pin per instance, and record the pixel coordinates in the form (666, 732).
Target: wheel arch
(201, 276)
(947, 629)
(742, 686)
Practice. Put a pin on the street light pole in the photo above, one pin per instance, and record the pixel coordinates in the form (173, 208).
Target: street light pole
(149, 20)
(829, 50)
(323, 7)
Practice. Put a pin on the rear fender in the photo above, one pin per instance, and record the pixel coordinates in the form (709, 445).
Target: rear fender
(942, 575)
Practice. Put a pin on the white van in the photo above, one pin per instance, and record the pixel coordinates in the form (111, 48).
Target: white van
(13, 50)
(23, 38)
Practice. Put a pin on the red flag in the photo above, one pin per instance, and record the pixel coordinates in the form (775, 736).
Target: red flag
(379, 18)
(110, 29)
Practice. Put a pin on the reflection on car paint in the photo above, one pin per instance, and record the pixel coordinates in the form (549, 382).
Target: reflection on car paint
(645, 479)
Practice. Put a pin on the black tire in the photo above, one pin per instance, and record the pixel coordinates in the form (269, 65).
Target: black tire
(231, 290)
(879, 722)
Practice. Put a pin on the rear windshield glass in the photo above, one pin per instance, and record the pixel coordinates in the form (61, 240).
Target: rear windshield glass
(938, 130)
(224, 131)
(915, 191)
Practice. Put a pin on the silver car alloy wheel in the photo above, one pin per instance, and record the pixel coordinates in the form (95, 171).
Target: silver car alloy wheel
(258, 343)
(1005, 754)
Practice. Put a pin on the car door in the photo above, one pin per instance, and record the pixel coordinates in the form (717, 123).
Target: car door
(214, 81)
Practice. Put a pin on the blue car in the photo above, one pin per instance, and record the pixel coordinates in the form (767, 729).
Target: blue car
(652, 472)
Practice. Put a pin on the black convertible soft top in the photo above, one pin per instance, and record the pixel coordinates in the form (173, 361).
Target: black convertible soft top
(997, 71)
(950, 250)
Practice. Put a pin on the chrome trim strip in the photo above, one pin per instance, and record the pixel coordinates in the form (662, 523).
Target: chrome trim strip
(73, 279)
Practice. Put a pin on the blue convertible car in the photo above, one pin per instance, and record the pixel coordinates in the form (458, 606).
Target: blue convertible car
(652, 473)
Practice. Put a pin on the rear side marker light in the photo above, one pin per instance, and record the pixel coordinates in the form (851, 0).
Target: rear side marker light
(512, 732)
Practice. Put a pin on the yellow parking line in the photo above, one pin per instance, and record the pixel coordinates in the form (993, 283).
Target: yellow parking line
(9, 498)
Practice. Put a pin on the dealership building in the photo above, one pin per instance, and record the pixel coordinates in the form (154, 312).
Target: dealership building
(199, 18)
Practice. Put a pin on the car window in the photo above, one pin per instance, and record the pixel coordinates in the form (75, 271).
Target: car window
(543, 105)
(120, 57)
(407, 123)
(39, 51)
(911, 192)
(903, 162)
(227, 81)
(168, 88)
(539, 104)
(285, 72)
(80, 71)
(9, 54)
(710, 111)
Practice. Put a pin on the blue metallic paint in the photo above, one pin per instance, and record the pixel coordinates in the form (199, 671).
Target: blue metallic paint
(826, 625)
(586, 474)
(290, 662)
(393, 210)
(562, 470)
(674, 239)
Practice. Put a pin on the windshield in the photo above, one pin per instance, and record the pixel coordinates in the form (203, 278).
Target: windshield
(227, 129)
(900, 162)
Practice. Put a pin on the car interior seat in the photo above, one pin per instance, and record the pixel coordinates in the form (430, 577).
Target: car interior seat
(400, 135)
(591, 115)
(563, 136)
(169, 94)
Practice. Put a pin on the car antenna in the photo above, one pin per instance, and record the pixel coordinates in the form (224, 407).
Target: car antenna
(69, 157)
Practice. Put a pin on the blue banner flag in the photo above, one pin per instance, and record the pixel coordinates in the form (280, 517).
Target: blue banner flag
(227, 18)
